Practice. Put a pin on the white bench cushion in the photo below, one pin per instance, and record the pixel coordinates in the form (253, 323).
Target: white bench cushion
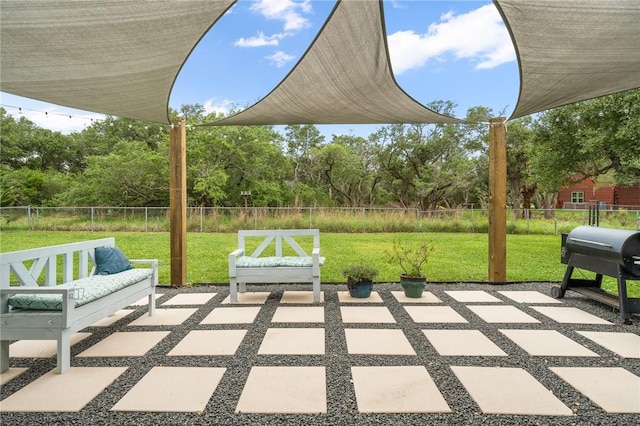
(274, 262)
(88, 290)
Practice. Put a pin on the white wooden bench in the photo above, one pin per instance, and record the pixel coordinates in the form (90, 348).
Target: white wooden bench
(270, 262)
(83, 297)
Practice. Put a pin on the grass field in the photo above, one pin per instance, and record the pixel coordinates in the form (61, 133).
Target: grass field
(458, 256)
(327, 219)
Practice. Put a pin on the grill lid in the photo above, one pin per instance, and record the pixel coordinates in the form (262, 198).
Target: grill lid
(616, 245)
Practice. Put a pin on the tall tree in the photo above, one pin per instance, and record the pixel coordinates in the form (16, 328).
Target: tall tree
(599, 138)
(429, 165)
(224, 161)
(592, 138)
(133, 175)
(521, 186)
(102, 136)
(346, 168)
(301, 141)
(25, 145)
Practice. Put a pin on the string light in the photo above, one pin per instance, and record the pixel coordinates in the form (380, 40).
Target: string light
(161, 128)
(21, 111)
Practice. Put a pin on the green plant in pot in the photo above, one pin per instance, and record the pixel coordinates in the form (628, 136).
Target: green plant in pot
(360, 279)
(412, 259)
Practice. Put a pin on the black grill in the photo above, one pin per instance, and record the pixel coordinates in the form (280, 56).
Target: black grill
(605, 251)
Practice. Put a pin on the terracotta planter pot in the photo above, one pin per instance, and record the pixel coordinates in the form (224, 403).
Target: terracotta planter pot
(413, 286)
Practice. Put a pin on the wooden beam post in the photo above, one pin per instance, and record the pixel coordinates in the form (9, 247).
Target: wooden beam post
(497, 200)
(178, 202)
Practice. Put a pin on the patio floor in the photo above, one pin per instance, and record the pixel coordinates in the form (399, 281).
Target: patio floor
(462, 354)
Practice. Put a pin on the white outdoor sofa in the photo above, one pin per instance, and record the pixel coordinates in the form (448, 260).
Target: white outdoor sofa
(270, 262)
(47, 311)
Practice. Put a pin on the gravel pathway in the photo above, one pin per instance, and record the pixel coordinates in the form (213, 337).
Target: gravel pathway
(342, 406)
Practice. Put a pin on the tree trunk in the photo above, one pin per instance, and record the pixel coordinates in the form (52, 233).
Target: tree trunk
(549, 204)
(516, 199)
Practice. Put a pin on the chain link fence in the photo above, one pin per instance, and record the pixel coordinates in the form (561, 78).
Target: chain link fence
(230, 219)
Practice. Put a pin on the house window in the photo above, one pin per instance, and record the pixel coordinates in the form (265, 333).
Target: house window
(577, 197)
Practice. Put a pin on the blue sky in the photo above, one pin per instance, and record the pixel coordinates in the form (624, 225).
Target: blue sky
(440, 50)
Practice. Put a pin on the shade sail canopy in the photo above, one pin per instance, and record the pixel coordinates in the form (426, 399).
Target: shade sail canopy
(344, 78)
(121, 57)
(117, 57)
(570, 51)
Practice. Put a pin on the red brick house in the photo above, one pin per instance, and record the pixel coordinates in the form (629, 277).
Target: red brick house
(579, 195)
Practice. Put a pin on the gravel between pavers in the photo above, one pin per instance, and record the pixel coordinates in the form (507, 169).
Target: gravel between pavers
(341, 400)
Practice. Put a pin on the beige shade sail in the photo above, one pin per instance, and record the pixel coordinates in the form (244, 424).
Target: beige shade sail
(344, 77)
(569, 51)
(121, 57)
(117, 57)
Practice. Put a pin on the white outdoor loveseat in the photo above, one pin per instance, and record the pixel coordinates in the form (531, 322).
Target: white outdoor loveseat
(279, 267)
(90, 290)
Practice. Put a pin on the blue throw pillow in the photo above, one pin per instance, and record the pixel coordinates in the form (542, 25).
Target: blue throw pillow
(111, 260)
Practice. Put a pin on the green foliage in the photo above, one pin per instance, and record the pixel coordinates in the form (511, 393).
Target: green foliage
(132, 175)
(209, 186)
(431, 165)
(25, 145)
(102, 136)
(412, 258)
(590, 138)
(25, 186)
(343, 173)
(223, 162)
(360, 272)
(7, 197)
(428, 167)
(521, 185)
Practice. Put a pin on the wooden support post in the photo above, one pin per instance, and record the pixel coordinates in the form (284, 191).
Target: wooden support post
(497, 200)
(178, 202)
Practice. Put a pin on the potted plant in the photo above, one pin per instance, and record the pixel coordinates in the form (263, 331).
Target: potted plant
(412, 259)
(360, 279)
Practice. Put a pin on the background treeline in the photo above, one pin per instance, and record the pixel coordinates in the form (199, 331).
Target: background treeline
(121, 162)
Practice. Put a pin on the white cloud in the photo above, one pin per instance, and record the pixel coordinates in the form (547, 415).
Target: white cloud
(479, 36)
(219, 106)
(398, 5)
(288, 11)
(260, 40)
(280, 58)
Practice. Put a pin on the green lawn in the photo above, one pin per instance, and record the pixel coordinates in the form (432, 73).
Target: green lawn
(458, 257)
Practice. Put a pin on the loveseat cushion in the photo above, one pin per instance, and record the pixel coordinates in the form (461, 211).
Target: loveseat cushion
(111, 260)
(273, 262)
(87, 290)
